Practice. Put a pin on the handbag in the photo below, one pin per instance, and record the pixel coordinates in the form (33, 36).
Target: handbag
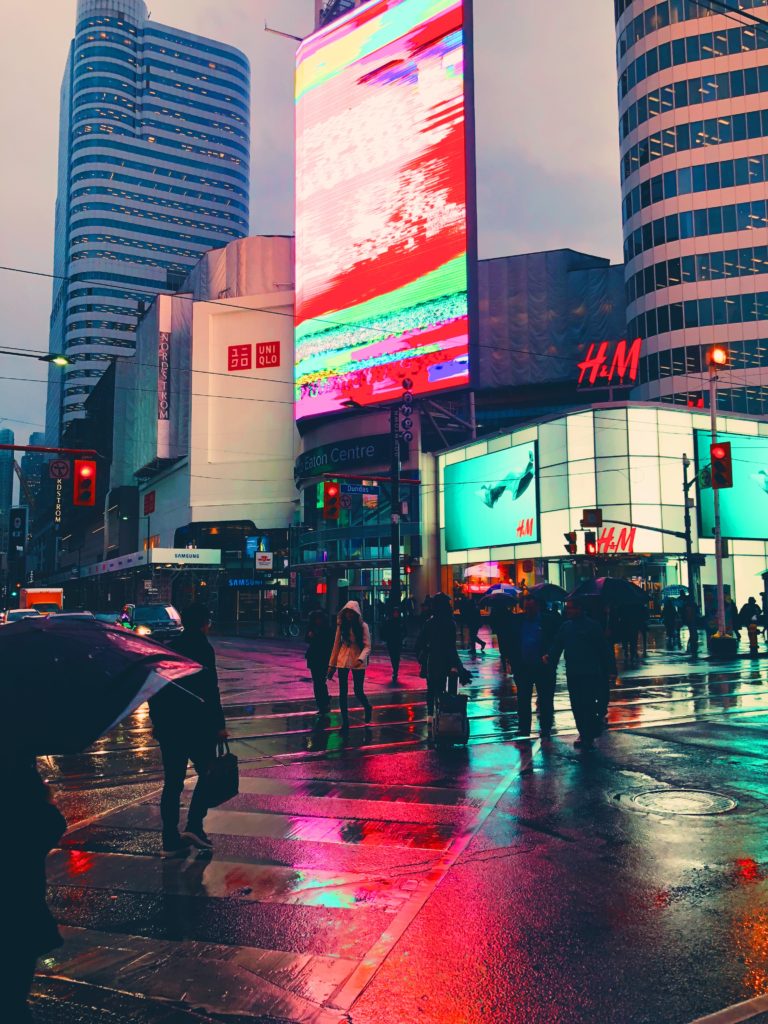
(222, 780)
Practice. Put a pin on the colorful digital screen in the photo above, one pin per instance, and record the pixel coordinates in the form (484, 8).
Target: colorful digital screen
(492, 500)
(743, 507)
(382, 205)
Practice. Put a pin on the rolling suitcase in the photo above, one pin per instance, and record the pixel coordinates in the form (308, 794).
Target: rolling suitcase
(450, 724)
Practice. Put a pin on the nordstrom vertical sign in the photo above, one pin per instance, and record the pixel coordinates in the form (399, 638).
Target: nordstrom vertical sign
(164, 376)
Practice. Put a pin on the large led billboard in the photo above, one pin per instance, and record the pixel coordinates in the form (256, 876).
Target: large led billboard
(492, 500)
(743, 507)
(385, 238)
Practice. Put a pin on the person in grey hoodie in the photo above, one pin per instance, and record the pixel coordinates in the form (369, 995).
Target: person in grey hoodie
(351, 650)
(589, 669)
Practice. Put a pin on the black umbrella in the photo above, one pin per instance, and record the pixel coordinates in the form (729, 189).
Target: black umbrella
(547, 592)
(610, 590)
(66, 682)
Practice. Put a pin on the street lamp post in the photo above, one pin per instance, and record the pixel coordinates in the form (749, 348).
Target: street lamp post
(717, 357)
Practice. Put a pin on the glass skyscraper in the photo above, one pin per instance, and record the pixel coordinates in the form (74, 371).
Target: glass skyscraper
(693, 123)
(154, 143)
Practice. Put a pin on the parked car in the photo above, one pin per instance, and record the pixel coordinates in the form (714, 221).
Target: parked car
(14, 614)
(160, 621)
(73, 615)
(110, 618)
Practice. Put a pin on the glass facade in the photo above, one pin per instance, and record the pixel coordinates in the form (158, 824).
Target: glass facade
(693, 123)
(153, 172)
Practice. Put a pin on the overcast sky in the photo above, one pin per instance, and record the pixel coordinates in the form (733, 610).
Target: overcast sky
(547, 141)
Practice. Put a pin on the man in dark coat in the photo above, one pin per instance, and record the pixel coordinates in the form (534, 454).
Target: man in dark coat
(392, 635)
(589, 668)
(30, 928)
(187, 726)
(529, 642)
(319, 638)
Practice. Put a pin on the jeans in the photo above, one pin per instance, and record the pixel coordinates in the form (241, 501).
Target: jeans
(589, 701)
(358, 680)
(436, 684)
(176, 753)
(16, 976)
(394, 651)
(543, 678)
(320, 686)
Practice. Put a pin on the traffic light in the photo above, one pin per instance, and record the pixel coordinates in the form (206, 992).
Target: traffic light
(590, 544)
(331, 500)
(571, 547)
(717, 356)
(722, 468)
(85, 483)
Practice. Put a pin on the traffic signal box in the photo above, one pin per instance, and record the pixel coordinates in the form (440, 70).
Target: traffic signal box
(331, 500)
(722, 467)
(590, 544)
(571, 546)
(84, 494)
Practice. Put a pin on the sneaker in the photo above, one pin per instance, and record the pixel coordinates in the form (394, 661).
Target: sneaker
(197, 837)
(175, 850)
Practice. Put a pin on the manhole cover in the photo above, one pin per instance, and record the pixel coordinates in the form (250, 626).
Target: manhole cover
(678, 801)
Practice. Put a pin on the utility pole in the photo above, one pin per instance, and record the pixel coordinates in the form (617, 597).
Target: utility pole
(394, 431)
(693, 569)
(717, 357)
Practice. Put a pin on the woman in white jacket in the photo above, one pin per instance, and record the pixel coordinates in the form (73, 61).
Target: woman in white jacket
(351, 651)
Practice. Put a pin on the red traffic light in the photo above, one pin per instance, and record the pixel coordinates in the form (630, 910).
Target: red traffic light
(590, 544)
(84, 484)
(721, 464)
(331, 500)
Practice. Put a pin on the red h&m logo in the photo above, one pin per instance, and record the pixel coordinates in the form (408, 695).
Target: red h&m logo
(268, 353)
(525, 528)
(610, 542)
(609, 364)
(239, 357)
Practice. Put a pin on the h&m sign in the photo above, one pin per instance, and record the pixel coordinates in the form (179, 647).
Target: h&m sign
(610, 363)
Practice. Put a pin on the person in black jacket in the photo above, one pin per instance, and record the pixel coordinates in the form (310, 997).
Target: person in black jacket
(319, 638)
(187, 726)
(589, 669)
(531, 637)
(437, 653)
(30, 928)
(392, 635)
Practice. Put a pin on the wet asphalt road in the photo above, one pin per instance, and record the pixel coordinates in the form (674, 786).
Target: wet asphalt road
(373, 880)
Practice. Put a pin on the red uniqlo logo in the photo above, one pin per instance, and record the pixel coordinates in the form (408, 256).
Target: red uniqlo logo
(268, 353)
(239, 357)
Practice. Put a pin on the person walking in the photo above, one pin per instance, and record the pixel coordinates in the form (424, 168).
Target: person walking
(30, 928)
(319, 639)
(589, 668)
(474, 621)
(671, 619)
(437, 653)
(392, 634)
(691, 617)
(188, 730)
(529, 643)
(351, 651)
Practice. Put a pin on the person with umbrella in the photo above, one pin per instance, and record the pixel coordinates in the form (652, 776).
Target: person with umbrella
(38, 826)
(187, 730)
(529, 642)
(589, 668)
(63, 686)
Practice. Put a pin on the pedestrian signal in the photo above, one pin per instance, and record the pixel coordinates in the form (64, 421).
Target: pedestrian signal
(331, 500)
(590, 544)
(571, 547)
(84, 483)
(722, 468)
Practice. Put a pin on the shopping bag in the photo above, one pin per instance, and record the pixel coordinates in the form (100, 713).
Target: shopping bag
(222, 780)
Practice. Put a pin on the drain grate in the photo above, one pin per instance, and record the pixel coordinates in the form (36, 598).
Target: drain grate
(694, 802)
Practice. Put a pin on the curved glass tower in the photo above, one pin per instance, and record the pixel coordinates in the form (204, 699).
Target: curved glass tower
(153, 171)
(693, 125)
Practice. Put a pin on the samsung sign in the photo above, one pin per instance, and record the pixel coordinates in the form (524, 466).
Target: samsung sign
(364, 451)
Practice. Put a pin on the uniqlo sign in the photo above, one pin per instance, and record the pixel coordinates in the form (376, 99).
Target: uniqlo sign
(268, 353)
(239, 357)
